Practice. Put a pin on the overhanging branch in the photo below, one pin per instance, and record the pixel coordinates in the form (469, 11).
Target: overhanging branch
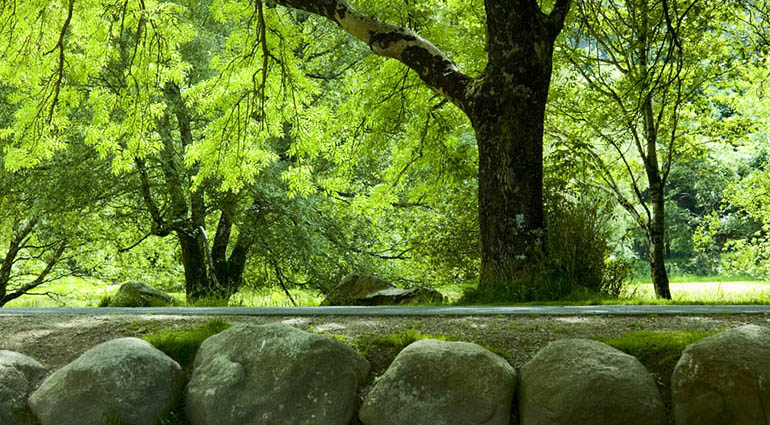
(404, 45)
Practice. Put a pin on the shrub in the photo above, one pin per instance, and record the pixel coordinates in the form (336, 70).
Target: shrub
(576, 265)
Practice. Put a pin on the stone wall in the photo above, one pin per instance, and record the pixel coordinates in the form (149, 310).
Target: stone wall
(277, 374)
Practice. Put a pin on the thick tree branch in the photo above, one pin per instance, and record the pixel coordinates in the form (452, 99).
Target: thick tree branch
(40, 280)
(60, 70)
(558, 15)
(159, 227)
(404, 45)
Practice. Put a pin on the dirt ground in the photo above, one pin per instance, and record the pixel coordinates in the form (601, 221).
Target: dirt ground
(56, 340)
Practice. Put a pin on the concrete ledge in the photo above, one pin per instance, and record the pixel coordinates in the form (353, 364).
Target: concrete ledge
(591, 310)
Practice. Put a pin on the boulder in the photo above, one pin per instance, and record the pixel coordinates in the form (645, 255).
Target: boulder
(273, 374)
(371, 290)
(355, 287)
(33, 370)
(586, 382)
(395, 296)
(140, 294)
(724, 379)
(124, 380)
(18, 375)
(437, 382)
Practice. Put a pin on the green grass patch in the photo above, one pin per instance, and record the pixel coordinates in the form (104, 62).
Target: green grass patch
(275, 297)
(366, 344)
(66, 292)
(690, 278)
(182, 344)
(380, 350)
(659, 351)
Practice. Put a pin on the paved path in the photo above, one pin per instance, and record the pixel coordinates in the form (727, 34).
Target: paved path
(608, 310)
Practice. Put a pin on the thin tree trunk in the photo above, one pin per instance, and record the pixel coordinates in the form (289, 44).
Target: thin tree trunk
(657, 226)
(657, 239)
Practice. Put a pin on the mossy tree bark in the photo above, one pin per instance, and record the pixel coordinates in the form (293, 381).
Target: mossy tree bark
(505, 104)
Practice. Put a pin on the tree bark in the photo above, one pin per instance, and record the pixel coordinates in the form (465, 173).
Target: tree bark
(657, 239)
(506, 106)
(507, 110)
(657, 227)
(21, 231)
(194, 264)
(229, 270)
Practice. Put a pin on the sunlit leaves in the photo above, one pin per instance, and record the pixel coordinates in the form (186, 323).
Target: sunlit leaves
(113, 57)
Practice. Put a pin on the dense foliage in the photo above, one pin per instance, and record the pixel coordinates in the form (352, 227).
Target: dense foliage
(215, 145)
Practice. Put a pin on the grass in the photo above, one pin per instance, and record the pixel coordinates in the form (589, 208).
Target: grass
(659, 351)
(182, 344)
(67, 292)
(706, 292)
(380, 350)
(79, 292)
(690, 278)
(272, 297)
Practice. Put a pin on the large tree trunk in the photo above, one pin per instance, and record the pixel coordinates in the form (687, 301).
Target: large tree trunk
(21, 231)
(229, 270)
(507, 112)
(194, 264)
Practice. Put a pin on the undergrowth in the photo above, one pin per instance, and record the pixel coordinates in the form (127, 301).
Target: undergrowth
(659, 351)
(380, 350)
(182, 344)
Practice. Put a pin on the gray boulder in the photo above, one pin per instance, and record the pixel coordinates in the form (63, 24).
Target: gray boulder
(437, 382)
(724, 379)
(125, 380)
(273, 374)
(355, 287)
(33, 370)
(18, 375)
(371, 290)
(140, 294)
(396, 296)
(585, 382)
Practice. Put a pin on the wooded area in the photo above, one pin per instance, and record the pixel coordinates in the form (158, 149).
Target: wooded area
(528, 149)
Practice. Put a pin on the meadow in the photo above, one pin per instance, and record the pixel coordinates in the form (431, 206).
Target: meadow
(80, 292)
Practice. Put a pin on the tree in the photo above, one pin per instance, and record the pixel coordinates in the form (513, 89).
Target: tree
(505, 105)
(742, 228)
(638, 66)
(142, 84)
(47, 217)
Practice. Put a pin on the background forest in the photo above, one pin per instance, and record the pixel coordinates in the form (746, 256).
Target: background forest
(217, 147)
